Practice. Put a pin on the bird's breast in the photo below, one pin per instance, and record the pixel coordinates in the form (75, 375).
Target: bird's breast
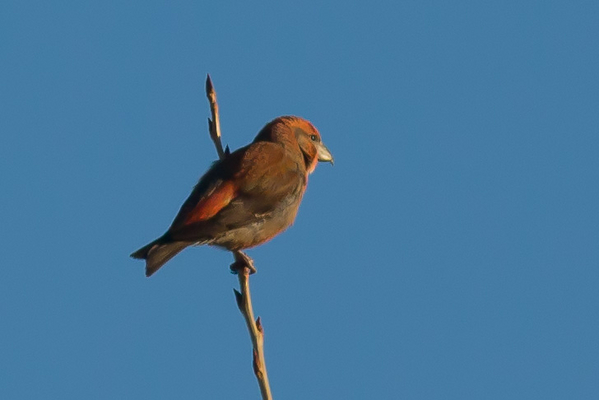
(264, 226)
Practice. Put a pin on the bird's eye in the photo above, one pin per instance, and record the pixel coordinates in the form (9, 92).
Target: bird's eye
(313, 137)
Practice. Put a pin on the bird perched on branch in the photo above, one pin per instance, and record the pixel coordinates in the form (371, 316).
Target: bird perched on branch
(248, 197)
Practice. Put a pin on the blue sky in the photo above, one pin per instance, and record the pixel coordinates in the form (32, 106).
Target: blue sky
(450, 253)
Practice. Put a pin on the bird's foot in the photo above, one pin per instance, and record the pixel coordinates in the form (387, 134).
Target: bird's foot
(242, 261)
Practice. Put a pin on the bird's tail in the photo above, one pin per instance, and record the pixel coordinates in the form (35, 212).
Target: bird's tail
(158, 253)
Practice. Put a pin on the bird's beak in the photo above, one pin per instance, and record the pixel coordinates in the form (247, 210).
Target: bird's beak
(323, 153)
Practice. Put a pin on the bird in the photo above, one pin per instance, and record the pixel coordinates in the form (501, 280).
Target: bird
(246, 198)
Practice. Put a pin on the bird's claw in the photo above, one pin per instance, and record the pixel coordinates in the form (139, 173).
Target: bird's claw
(242, 261)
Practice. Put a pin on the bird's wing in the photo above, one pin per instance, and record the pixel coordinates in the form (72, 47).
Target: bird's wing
(214, 191)
(238, 190)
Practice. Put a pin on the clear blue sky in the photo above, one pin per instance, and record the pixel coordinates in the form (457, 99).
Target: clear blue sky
(452, 252)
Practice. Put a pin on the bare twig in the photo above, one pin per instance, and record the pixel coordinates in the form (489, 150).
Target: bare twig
(243, 266)
(244, 302)
(214, 123)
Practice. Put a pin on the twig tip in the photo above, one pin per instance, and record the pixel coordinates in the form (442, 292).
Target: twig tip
(209, 85)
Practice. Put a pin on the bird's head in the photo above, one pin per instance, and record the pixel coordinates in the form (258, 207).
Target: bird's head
(311, 144)
(309, 141)
(297, 132)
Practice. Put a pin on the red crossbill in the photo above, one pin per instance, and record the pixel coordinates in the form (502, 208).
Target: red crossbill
(248, 197)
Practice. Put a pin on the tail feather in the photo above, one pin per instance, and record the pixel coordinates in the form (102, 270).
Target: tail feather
(157, 254)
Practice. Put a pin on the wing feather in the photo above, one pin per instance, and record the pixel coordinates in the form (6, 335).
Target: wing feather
(238, 190)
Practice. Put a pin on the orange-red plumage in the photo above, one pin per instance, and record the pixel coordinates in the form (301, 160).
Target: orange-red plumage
(246, 198)
(211, 204)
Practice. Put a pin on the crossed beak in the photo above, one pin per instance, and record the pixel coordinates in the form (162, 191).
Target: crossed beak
(324, 155)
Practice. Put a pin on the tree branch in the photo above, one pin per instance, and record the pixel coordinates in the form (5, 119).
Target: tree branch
(243, 266)
(214, 123)
(244, 302)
